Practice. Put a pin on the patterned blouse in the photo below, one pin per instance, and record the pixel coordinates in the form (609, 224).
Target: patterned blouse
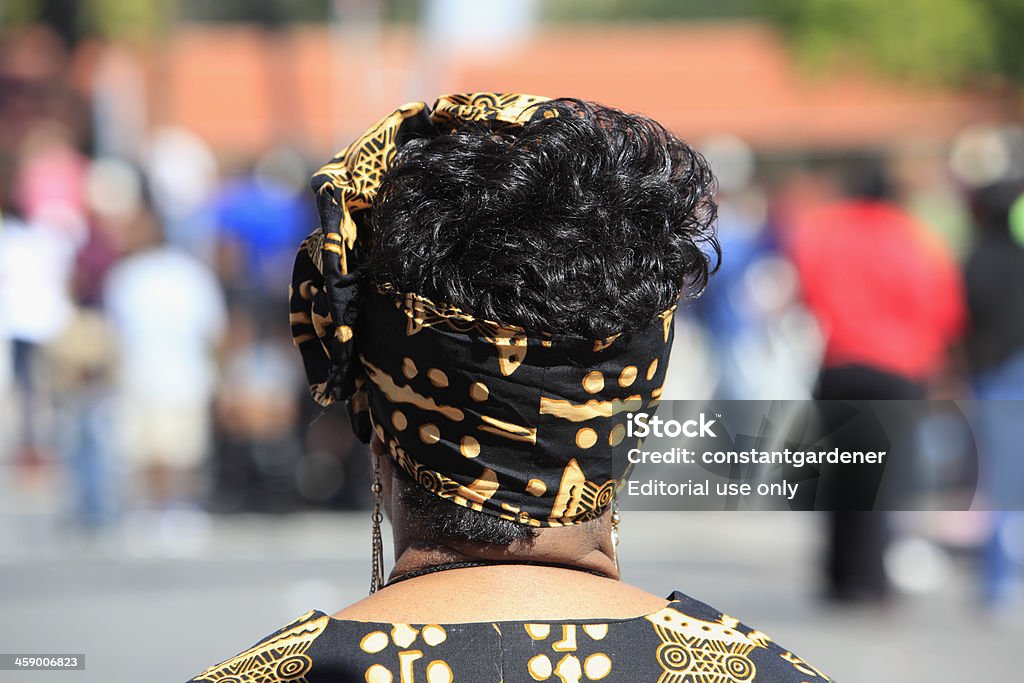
(684, 642)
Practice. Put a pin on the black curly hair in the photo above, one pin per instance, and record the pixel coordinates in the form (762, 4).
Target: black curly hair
(587, 223)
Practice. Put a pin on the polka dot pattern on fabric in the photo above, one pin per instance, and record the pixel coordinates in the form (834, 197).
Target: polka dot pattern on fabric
(430, 434)
(478, 391)
(618, 433)
(469, 447)
(651, 369)
(409, 368)
(586, 437)
(593, 382)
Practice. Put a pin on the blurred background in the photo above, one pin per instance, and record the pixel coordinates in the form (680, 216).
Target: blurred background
(168, 491)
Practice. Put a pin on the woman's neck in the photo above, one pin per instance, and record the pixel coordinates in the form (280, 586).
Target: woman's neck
(421, 557)
(586, 547)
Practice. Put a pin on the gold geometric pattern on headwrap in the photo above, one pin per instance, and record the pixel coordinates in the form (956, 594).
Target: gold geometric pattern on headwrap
(577, 498)
(348, 184)
(446, 418)
(509, 340)
(567, 410)
(353, 176)
(472, 495)
(498, 110)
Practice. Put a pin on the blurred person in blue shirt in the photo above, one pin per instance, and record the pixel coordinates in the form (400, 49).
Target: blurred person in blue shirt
(260, 217)
(994, 275)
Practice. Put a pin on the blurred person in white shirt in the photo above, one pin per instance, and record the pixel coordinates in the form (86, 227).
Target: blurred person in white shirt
(168, 314)
(41, 231)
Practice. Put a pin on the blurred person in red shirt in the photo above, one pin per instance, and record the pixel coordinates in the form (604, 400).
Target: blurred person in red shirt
(886, 291)
(890, 302)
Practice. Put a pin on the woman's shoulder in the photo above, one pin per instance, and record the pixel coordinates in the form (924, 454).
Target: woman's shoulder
(284, 655)
(685, 640)
(741, 651)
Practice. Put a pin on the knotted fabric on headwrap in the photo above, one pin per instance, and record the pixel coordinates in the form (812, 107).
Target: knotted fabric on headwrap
(509, 422)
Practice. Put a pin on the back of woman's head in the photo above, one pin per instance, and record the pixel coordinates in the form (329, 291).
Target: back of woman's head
(587, 223)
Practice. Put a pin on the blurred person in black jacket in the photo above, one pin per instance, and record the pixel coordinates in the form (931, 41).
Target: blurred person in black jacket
(994, 275)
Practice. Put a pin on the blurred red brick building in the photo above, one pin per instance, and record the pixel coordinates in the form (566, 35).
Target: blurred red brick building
(242, 91)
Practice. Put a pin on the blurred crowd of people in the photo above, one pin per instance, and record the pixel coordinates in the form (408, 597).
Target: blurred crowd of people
(887, 276)
(145, 318)
(145, 360)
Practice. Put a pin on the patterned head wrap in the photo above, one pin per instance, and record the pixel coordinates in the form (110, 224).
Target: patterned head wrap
(516, 424)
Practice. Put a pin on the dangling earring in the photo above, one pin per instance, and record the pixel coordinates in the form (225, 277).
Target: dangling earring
(615, 532)
(377, 545)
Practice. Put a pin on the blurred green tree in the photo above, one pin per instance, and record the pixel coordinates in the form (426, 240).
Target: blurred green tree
(74, 19)
(947, 42)
(648, 10)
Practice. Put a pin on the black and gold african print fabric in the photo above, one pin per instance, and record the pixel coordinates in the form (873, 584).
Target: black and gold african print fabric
(325, 290)
(685, 642)
(517, 424)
